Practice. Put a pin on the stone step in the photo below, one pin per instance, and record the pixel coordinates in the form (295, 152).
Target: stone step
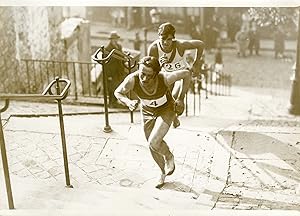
(33, 195)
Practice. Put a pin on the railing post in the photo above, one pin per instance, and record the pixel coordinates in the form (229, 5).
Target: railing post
(129, 67)
(211, 82)
(145, 40)
(194, 93)
(63, 136)
(186, 104)
(28, 77)
(107, 128)
(206, 84)
(5, 164)
(199, 92)
(75, 82)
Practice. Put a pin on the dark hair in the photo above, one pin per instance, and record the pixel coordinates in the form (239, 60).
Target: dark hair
(166, 29)
(151, 62)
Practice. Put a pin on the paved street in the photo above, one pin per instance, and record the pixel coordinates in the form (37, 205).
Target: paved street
(240, 152)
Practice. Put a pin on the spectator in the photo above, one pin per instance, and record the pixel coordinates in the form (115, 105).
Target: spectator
(242, 40)
(233, 25)
(279, 38)
(218, 65)
(246, 21)
(193, 29)
(137, 42)
(254, 40)
(155, 16)
(208, 37)
(114, 69)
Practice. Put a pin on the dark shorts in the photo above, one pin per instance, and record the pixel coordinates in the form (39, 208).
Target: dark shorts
(167, 115)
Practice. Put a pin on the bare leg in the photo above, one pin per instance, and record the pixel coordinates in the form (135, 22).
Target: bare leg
(157, 144)
(175, 93)
(158, 158)
(155, 139)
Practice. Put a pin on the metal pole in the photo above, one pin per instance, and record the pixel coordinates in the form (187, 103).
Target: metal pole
(75, 84)
(186, 104)
(130, 95)
(206, 84)
(5, 168)
(194, 93)
(295, 94)
(63, 137)
(200, 100)
(107, 128)
(145, 40)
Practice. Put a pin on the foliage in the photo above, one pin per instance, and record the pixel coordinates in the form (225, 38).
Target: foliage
(275, 16)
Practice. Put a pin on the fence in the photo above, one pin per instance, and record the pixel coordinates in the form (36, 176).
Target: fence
(208, 82)
(84, 76)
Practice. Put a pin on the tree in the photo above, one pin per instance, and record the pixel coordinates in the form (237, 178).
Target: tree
(271, 18)
(274, 16)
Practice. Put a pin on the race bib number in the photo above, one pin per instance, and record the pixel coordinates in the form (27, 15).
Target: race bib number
(175, 66)
(156, 102)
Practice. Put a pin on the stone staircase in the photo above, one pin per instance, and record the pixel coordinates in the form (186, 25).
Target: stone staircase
(33, 197)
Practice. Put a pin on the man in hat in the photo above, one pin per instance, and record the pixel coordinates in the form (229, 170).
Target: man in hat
(171, 55)
(114, 69)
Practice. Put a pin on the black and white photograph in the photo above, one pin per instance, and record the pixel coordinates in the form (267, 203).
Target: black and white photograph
(149, 108)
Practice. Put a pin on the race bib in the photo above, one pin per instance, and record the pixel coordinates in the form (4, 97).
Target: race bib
(175, 66)
(156, 102)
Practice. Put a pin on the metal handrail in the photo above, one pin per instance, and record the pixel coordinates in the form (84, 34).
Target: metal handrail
(113, 53)
(44, 96)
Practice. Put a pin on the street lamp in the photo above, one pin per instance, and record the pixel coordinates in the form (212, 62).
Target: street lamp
(295, 93)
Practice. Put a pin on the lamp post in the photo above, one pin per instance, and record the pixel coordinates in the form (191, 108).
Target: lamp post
(295, 93)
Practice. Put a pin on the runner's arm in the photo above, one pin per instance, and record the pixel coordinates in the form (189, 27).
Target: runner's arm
(194, 44)
(152, 50)
(177, 75)
(122, 91)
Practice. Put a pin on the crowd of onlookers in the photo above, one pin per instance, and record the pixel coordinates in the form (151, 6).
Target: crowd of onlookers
(241, 30)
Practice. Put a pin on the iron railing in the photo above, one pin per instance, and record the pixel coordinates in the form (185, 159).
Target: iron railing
(47, 95)
(84, 76)
(87, 79)
(206, 83)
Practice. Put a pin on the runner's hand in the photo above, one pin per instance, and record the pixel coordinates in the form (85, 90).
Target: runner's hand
(196, 68)
(179, 107)
(133, 104)
(163, 60)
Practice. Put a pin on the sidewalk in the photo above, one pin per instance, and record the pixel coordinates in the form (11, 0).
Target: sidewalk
(240, 152)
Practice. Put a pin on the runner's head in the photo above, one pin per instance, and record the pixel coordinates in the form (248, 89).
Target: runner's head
(149, 67)
(166, 29)
(166, 34)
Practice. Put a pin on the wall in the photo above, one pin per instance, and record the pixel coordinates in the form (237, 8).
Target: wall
(8, 62)
(30, 33)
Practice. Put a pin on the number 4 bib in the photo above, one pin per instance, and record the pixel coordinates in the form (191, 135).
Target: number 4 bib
(155, 102)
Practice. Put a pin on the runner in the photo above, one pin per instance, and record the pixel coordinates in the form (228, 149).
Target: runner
(171, 55)
(157, 106)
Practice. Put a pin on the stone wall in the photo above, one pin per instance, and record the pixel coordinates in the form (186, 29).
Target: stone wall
(8, 62)
(35, 33)
(28, 33)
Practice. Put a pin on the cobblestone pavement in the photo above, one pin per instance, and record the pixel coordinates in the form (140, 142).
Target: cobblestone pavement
(239, 152)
